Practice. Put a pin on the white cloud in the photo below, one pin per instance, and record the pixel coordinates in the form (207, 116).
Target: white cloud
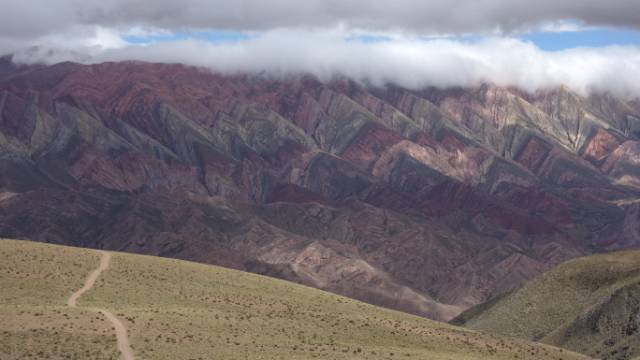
(309, 37)
(404, 61)
(562, 26)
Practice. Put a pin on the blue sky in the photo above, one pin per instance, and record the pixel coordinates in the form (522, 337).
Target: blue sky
(554, 41)
(211, 36)
(545, 40)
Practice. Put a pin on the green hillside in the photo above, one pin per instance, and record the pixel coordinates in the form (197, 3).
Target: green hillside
(180, 310)
(590, 305)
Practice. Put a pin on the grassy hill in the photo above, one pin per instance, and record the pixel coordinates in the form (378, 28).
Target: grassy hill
(180, 310)
(590, 305)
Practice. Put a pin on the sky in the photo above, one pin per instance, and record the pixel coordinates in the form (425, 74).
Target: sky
(587, 45)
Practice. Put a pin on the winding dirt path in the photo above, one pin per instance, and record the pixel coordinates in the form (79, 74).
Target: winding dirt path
(121, 331)
(91, 279)
(121, 335)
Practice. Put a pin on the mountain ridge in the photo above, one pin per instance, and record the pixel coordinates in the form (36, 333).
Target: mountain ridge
(423, 201)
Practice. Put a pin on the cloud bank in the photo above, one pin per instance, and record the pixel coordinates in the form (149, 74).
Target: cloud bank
(409, 43)
(408, 62)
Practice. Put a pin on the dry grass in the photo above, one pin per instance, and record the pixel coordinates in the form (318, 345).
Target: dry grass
(181, 310)
(35, 322)
(588, 305)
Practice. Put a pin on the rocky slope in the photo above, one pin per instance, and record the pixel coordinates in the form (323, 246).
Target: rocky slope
(425, 201)
(590, 305)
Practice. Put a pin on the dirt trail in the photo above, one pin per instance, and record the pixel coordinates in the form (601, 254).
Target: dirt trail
(91, 279)
(121, 331)
(121, 334)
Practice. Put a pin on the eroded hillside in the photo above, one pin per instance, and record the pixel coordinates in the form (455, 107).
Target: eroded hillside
(424, 201)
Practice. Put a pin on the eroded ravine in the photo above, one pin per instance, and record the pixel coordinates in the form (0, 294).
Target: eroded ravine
(121, 331)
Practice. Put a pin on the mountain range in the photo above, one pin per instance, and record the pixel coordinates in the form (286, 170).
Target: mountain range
(427, 201)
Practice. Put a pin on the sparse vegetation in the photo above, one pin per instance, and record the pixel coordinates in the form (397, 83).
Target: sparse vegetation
(180, 310)
(590, 305)
(35, 322)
